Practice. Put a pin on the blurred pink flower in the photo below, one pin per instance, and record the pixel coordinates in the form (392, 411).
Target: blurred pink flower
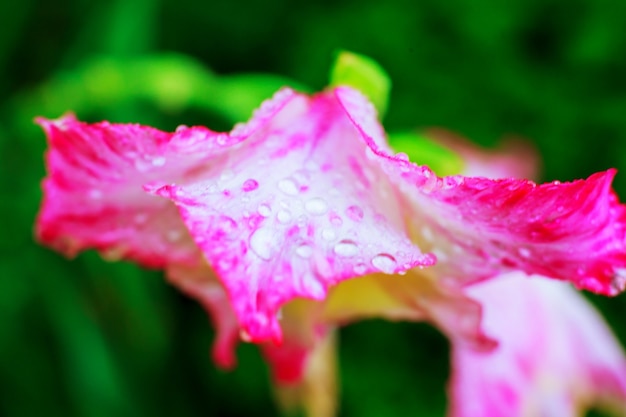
(294, 223)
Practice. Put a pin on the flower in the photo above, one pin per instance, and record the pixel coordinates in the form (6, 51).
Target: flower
(294, 223)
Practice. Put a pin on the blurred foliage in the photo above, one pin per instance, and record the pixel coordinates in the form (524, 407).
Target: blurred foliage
(89, 338)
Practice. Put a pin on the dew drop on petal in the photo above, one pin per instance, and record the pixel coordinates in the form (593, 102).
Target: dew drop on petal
(264, 210)
(261, 243)
(288, 186)
(402, 156)
(95, 194)
(159, 161)
(384, 262)
(304, 251)
(174, 235)
(222, 139)
(328, 234)
(284, 216)
(250, 185)
(335, 220)
(227, 225)
(180, 128)
(355, 213)
(524, 252)
(346, 248)
(316, 206)
(245, 336)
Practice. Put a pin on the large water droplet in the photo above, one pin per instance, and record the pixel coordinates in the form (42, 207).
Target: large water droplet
(180, 128)
(250, 185)
(262, 243)
(288, 186)
(346, 248)
(264, 210)
(384, 262)
(304, 251)
(355, 213)
(159, 161)
(284, 216)
(316, 206)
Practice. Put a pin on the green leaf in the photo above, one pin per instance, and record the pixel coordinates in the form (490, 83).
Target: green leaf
(424, 151)
(364, 74)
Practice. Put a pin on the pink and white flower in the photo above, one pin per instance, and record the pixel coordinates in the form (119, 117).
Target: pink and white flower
(294, 223)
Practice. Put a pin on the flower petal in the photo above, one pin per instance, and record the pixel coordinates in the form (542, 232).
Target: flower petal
(415, 296)
(315, 391)
(291, 209)
(480, 228)
(93, 196)
(201, 284)
(556, 357)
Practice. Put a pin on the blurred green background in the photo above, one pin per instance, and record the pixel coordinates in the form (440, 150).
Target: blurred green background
(90, 338)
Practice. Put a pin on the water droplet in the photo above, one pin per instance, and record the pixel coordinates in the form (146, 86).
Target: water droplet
(384, 262)
(227, 225)
(304, 251)
(302, 178)
(159, 161)
(328, 234)
(180, 128)
(524, 252)
(222, 139)
(355, 213)
(288, 186)
(335, 220)
(262, 243)
(250, 185)
(95, 194)
(316, 206)
(141, 165)
(264, 210)
(245, 336)
(283, 216)
(174, 235)
(402, 156)
(346, 248)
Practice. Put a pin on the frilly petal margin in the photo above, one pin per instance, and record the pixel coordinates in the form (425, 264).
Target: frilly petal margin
(292, 210)
(94, 196)
(479, 228)
(556, 356)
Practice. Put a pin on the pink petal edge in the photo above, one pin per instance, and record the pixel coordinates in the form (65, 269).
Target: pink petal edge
(480, 228)
(556, 357)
